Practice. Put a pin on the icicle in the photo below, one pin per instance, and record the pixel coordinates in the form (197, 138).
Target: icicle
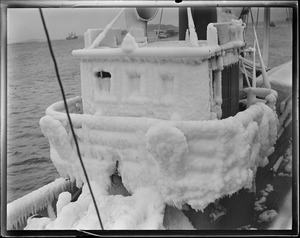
(51, 213)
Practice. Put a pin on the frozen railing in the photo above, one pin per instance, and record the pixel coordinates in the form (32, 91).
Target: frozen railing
(19, 210)
(222, 33)
(266, 95)
(227, 151)
(58, 108)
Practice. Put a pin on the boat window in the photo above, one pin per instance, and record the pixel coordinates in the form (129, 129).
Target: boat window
(168, 84)
(103, 80)
(168, 87)
(134, 81)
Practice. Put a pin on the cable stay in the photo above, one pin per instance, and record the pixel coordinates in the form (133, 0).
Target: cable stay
(160, 20)
(68, 115)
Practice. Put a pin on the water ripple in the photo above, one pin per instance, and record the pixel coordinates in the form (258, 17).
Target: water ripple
(32, 87)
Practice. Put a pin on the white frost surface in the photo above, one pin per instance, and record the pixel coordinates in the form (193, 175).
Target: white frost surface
(153, 90)
(160, 161)
(194, 162)
(142, 210)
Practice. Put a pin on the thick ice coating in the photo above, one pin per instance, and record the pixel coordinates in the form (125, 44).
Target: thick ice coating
(192, 162)
(172, 163)
(143, 210)
(149, 113)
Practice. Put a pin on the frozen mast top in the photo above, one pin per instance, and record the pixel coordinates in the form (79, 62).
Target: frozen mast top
(172, 80)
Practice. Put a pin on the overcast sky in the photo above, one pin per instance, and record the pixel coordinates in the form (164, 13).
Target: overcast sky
(25, 24)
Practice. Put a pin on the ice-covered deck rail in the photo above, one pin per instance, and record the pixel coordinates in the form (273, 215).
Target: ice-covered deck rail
(19, 210)
(178, 51)
(192, 162)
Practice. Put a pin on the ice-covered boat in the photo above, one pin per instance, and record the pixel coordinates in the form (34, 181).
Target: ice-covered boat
(150, 132)
(72, 36)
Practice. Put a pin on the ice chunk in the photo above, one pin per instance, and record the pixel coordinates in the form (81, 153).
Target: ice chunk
(63, 199)
(269, 188)
(129, 44)
(169, 148)
(142, 210)
(267, 216)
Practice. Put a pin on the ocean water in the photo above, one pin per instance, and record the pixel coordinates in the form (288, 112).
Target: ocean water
(32, 87)
(280, 42)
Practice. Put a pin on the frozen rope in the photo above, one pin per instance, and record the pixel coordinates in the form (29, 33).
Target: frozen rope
(68, 115)
(245, 72)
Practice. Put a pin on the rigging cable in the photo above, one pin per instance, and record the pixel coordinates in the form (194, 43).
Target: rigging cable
(161, 13)
(68, 115)
(247, 18)
(257, 14)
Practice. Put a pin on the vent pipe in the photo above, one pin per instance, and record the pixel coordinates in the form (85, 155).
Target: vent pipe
(136, 21)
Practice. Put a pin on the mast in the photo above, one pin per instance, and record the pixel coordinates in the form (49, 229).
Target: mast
(266, 42)
(193, 35)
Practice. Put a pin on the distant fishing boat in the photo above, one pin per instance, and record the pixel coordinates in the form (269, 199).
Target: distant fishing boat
(161, 34)
(272, 24)
(72, 36)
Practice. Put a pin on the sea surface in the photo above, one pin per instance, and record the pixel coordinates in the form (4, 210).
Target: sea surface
(33, 86)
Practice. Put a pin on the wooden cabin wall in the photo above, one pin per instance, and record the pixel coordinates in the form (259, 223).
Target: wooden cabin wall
(230, 90)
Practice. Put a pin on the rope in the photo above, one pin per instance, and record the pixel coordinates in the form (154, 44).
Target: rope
(161, 13)
(247, 19)
(257, 17)
(245, 72)
(68, 115)
(251, 14)
(247, 67)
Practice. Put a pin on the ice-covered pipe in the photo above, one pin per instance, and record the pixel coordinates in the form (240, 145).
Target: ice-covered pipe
(108, 27)
(136, 21)
(193, 35)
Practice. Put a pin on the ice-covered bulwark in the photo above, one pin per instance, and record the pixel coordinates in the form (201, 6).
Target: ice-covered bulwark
(143, 210)
(19, 210)
(193, 162)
